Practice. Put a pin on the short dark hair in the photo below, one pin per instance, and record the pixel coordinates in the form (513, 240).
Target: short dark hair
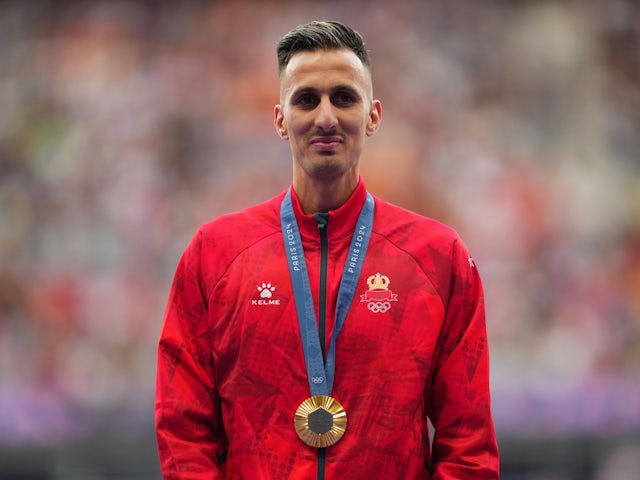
(321, 35)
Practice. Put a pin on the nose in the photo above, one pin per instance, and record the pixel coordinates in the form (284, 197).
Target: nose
(326, 119)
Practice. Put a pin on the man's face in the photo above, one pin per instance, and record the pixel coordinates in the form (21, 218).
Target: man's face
(326, 110)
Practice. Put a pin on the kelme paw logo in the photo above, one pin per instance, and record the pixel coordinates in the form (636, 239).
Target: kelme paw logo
(266, 290)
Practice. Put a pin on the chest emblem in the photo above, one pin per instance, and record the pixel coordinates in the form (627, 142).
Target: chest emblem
(378, 297)
(266, 295)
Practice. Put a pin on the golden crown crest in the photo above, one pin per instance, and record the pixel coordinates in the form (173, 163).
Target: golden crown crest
(378, 282)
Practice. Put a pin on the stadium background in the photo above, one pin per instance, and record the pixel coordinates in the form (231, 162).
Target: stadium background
(124, 125)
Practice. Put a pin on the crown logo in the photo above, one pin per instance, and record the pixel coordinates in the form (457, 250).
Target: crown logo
(379, 297)
(378, 282)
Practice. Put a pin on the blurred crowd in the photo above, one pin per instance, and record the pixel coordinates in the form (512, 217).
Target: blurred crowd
(126, 124)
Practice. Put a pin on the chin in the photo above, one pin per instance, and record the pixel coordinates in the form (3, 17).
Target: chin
(327, 168)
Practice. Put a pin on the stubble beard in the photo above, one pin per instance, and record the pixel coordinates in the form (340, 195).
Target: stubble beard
(326, 166)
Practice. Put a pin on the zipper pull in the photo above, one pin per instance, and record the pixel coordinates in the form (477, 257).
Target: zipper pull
(322, 218)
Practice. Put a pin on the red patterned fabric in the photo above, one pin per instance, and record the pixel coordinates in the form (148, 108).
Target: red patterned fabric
(231, 370)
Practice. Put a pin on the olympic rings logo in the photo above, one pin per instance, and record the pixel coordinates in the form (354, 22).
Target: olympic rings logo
(317, 380)
(379, 307)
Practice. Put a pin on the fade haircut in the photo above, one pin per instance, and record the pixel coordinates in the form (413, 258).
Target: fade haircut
(321, 35)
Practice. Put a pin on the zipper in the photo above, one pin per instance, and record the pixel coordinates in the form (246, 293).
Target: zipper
(323, 222)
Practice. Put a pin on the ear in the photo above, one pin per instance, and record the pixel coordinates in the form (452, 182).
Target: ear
(375, 115)
(279, 123)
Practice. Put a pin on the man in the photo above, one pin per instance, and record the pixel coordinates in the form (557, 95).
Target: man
(311, 336)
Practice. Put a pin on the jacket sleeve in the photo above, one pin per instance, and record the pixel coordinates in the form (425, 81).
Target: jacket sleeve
(459, 406)
(189, 432)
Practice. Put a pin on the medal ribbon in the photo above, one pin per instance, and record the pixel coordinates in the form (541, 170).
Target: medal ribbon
(319, 373)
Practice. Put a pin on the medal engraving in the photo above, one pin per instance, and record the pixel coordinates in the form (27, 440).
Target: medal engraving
(320, 421)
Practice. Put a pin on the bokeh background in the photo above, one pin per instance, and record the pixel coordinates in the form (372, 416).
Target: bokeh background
(126, 124)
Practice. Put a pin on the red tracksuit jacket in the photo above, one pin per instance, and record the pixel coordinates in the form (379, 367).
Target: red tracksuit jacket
(231, 368)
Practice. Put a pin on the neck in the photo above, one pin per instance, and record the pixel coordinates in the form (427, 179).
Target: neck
(323, 195)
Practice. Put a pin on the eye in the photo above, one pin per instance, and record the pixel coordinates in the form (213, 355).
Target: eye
(307, 100)
(344, 99)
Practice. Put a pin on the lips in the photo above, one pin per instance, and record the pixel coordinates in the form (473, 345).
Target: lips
(327, 139)
(327, 142)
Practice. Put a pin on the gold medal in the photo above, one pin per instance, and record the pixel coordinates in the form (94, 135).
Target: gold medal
(320, 421)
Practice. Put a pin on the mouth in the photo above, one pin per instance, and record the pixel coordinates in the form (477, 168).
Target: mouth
(327, 143)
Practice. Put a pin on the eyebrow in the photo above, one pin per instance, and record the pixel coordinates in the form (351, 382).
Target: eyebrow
(338, 88)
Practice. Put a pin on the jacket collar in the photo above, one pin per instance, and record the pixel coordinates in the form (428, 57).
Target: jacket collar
(342, 220)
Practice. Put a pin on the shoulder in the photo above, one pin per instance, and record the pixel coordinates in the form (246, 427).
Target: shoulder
(224, 238)
(410, 229)
(436, 247)
(250, 222)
